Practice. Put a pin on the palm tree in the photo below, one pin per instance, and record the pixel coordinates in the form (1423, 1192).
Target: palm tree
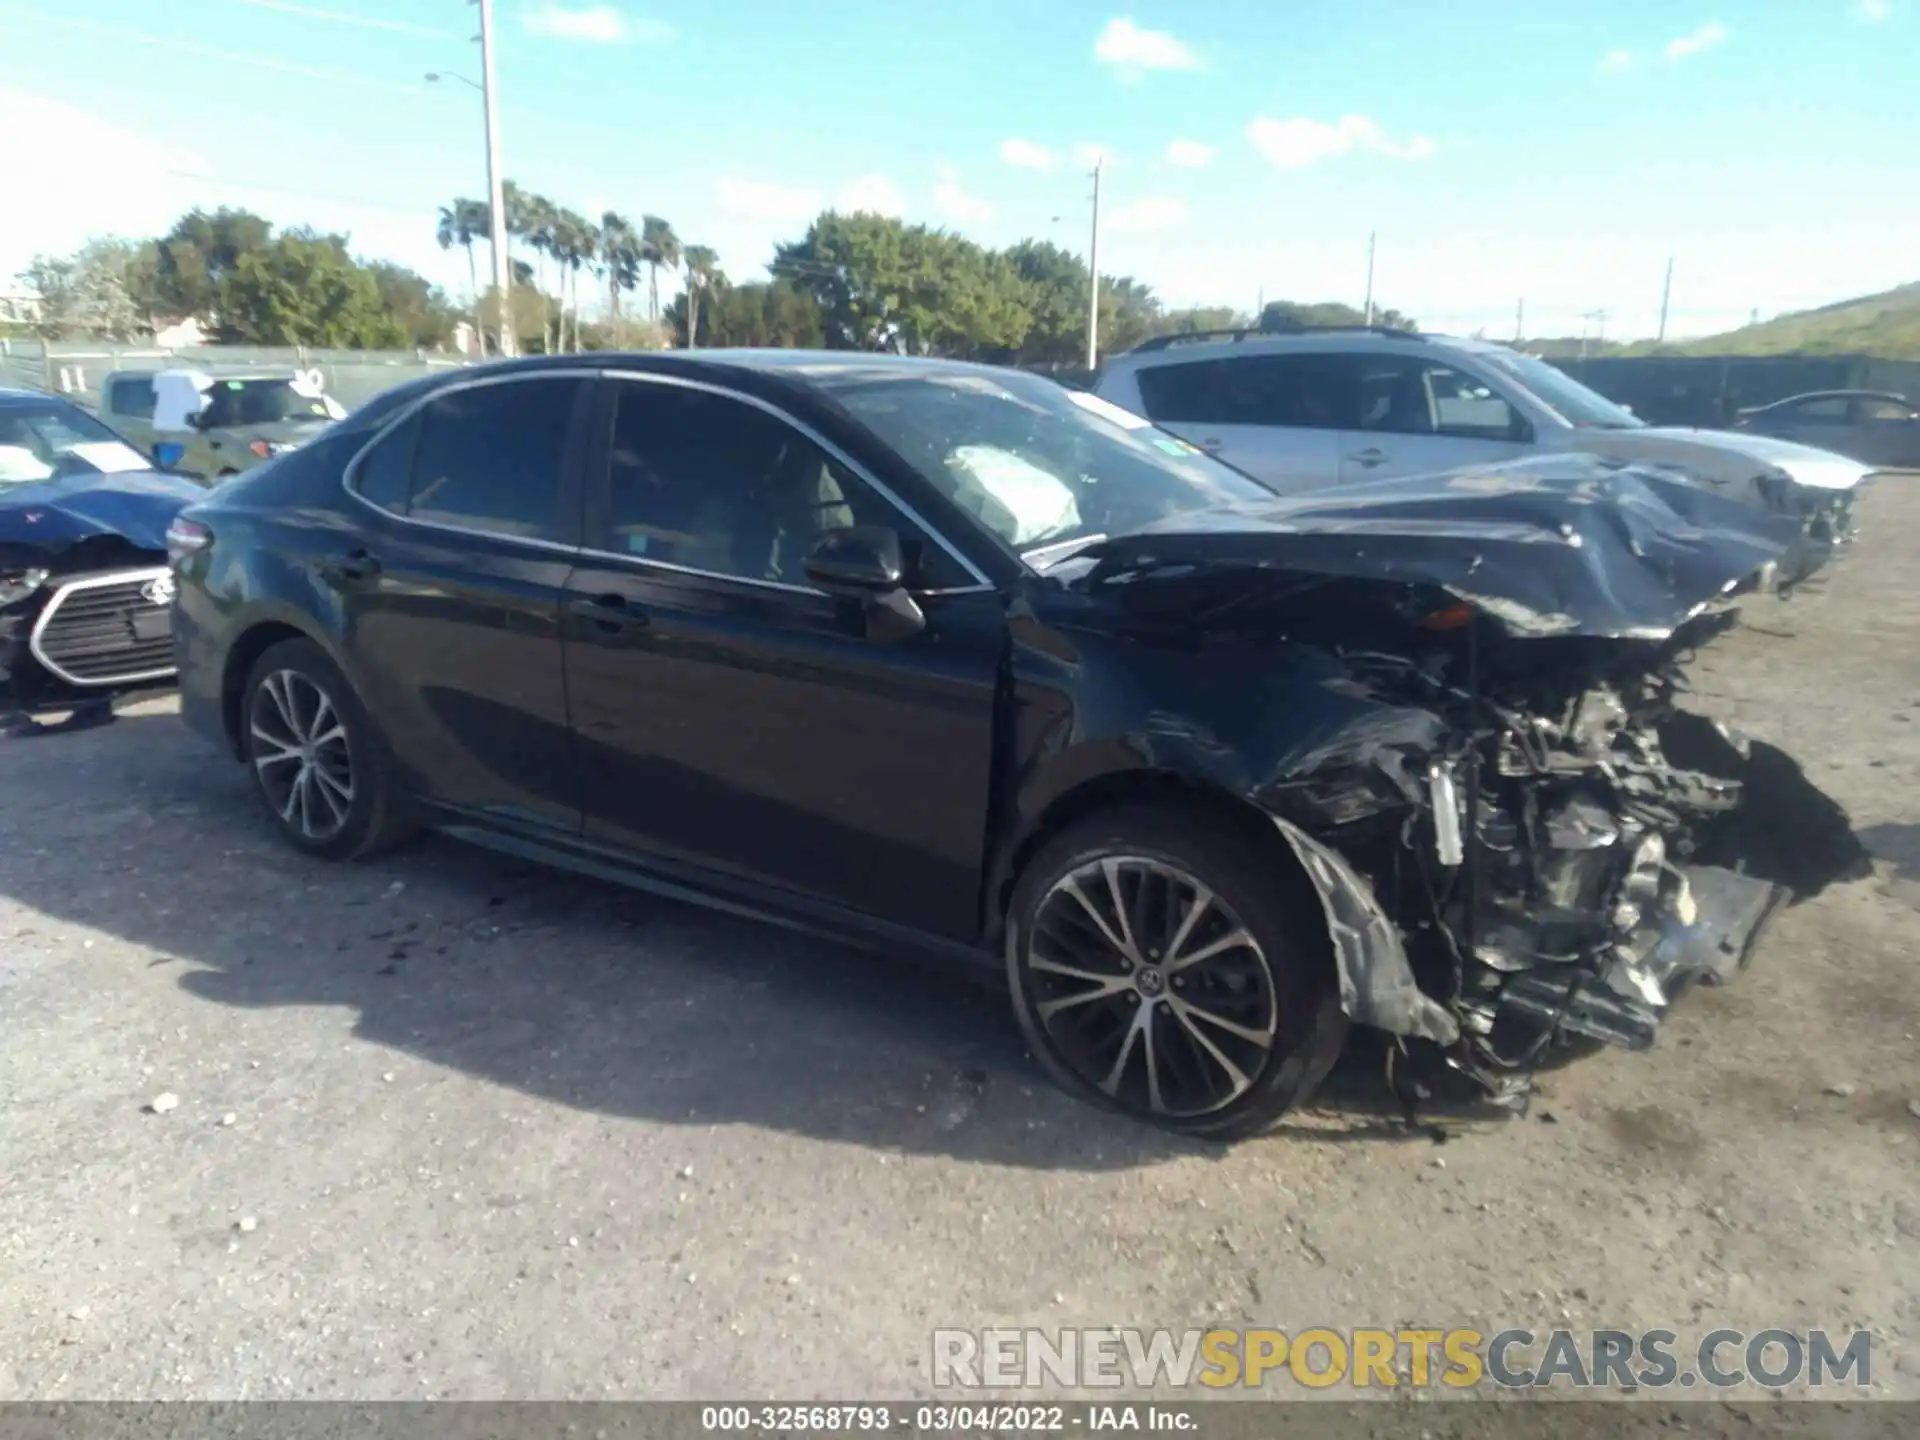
(658, 246)
(703, 270)
(575, 244)
(620, 254)
(461, 223)
(530, 219)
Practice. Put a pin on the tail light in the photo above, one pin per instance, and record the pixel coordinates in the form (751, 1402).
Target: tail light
(186, 537)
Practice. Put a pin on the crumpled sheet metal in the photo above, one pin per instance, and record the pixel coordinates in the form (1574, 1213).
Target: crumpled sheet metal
(1549, 545)
(40, 520)
(1377, 986)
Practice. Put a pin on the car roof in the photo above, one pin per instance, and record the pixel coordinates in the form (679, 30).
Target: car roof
(31, 397)
(1174, 350)
(1836, 395)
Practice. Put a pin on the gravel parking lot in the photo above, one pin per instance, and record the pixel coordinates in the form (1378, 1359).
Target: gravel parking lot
(449, 1126)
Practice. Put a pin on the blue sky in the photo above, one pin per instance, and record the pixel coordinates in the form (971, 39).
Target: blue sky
(1556, 154)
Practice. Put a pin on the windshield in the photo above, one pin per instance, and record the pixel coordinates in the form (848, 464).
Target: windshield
(41, 442)
(263, 402)
(1582, 408)
(1039, 465)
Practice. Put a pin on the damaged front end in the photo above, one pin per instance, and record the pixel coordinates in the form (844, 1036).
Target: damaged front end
(1560, 851)
(85, 589)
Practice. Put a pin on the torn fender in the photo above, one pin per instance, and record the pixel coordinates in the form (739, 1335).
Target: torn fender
(1377, 986)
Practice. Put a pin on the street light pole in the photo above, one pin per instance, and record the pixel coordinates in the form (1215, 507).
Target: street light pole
(496, 186)
(1093, 275)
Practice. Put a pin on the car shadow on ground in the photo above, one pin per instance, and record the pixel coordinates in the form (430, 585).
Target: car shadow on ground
(574, 990)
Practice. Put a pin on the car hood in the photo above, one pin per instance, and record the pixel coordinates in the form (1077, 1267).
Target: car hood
(44, 518)
(1726, 455)
(1548, 546)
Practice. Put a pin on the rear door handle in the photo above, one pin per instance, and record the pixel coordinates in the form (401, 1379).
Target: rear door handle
(359, 564)
(1368, 458)
(609, 614)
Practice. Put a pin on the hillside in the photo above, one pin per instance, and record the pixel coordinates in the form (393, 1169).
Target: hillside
(1886, 325)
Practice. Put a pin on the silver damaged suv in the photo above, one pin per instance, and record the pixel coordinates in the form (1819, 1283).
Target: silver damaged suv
(1300, 410)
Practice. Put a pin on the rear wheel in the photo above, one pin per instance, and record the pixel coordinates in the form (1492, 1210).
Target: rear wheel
(317, 759)
(1163, 967)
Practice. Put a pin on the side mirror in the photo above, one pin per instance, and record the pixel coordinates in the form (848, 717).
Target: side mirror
(858, 559)
(864, 563)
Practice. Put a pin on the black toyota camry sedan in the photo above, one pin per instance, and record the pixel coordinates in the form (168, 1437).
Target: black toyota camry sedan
(948, 659)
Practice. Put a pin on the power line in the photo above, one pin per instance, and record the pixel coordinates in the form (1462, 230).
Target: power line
(208, 52)
(222, 181)
(338, 17)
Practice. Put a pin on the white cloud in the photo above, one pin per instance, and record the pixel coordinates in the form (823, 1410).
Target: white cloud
(1026, 155)
(1705, 38)
(1291, 144)
(759, 200)
(1130, 49)
(1614, 61)
(875, 194)
(1189, 154)
(955, 203)
(595, 24)
(1874, 11)
(1147, 216)
(1086, 155)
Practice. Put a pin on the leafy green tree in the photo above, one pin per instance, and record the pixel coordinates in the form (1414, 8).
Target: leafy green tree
(305, 289)
(779, 314)
(659, 246)
(1293, 314)
(103, 291)
(421, 309)
(884, 285)
(194, 258)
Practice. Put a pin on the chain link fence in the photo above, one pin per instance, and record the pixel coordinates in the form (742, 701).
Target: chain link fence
(76, 369)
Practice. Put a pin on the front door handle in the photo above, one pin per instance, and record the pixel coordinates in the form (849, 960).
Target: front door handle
(609, 614)
(1369, 458)
(360, 564)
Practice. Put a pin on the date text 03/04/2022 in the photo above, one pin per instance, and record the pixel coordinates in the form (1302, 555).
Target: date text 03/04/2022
(941, 1418)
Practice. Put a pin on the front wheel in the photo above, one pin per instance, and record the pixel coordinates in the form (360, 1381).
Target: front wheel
(316, 757)
(1162, 966)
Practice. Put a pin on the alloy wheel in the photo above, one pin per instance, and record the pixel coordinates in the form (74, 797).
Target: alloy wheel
(301, 755)
(1150, 988)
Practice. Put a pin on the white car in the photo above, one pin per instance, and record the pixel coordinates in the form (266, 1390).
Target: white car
(1304, 409)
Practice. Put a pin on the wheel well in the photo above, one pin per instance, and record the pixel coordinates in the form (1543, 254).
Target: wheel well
(1153, 787)
(251, 645)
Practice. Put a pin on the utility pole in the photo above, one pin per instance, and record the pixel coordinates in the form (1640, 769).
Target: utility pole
(1370, 238)
(1597, 318)
(1519, 319)
(496, 182)
(1093, 275)
(1666, 294)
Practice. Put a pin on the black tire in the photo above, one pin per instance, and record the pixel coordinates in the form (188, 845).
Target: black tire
(1253, 888)
(363, 820)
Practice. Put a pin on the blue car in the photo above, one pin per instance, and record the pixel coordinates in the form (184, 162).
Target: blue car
(85, 591)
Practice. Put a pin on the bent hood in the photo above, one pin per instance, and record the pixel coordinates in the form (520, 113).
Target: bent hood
(137, 505)
(1726, 455)
(1548, 546)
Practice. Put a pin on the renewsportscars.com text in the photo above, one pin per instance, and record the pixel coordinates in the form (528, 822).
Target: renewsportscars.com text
(1364, 1358)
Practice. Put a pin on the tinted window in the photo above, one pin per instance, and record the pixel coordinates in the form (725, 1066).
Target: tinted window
(1402, 395)
(1827, 407)
(132, 396)
(714, 484)
(385, 471)
(490, 458)
(1306, 391)
(1875, 408)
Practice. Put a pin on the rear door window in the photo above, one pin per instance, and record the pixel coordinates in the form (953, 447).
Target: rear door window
(487, 458)
(1313, 392)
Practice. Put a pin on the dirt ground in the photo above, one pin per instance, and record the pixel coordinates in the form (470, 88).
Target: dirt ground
(449, 1126)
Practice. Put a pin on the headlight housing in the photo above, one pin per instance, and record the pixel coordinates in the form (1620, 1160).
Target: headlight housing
(17, 585)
